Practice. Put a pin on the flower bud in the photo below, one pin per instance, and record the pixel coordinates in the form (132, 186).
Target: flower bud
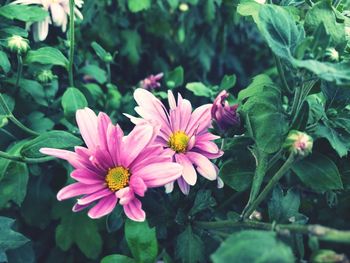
(45, 76)
(299, 143)
(332, 54)
(151, 82)
(18, 44)
(224, 115)
(183, 7)
(328, 256)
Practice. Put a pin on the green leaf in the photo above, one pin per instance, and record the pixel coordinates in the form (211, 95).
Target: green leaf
(249, 8)
(264, 116)
(254, 247)
(39, 123)
(199, 89)
(9, 239)
(175, 78)
(202, 201)
(318, 172)
(73, 100)
(23, 13)
(323, 12)
(259, 84)
(279, 30)
(13, 185)
(189, 247)
(47, 56)
(117, 259)
(94, 71)
(228, 82)
(283, 207)
(142, 241)
(132, 45)
(138, 5)
(79, 229)
(51, 139)
(35, 90)
(4, 62)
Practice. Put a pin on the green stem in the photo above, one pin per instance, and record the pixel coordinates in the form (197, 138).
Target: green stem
(72, 42)
(281, 74)
(274, 180)
(19, 70)
(17, 158)
(321, 232)
(10, 116)
(261, 168)
(108, 65)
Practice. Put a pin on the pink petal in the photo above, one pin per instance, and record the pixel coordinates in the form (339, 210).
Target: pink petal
(102, 124)
(184, 187)
(138, 185)
(87, 123)
(86, 176)
(185, 110)
(135, 142)
(77, 189)
(134, 211)
(114, 141)
(159, 174)
(88, 199)
(200, 120)
(207, 146)
(125, 195)
(204, 166)
(171, 99)
(103, 207)
(69, 156)
(77, 207)
(189, 173)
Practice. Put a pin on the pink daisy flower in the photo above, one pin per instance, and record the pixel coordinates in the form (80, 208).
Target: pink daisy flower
(183, 135)
(114, 168)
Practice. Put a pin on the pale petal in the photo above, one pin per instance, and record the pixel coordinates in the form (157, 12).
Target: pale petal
(69, 156)
(138, 185)
(134, 211)
(205, 167)
(41, 30)
(169, 187)
(159, 174)
(125, 195)
(77, 207)
(171, 99)
(77, 189)
(200, 120)
(58, 14)
(87, 123)
(207, 146)
(103, 207)
(189, 173)
(184, 187)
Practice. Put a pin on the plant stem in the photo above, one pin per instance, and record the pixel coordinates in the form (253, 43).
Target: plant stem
(321, 232)
(281, 74)
(108, 66)
(72, 42)
(19, 70)
(274, 180)
(17, 158)
(10, 116)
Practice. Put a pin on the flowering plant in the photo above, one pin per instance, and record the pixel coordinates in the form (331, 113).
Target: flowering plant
(165, 131)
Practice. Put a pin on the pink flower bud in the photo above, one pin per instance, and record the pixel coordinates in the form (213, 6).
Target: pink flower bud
(151, 82)
(224, 115)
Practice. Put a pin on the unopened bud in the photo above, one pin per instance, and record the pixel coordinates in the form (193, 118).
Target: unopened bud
(332, 54)
(329, 256)
(18, 44)
(299, 143)
(183, 7)
(45, 76)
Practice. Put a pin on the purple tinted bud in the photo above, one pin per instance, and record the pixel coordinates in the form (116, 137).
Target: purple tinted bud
(151, 82)
(225, 116)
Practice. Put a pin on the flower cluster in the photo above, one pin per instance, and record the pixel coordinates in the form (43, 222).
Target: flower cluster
(164, 146)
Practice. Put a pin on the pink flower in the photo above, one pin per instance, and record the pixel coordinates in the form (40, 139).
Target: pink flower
(183, 134)
(114, 168)
(151, 82)
(225, 116)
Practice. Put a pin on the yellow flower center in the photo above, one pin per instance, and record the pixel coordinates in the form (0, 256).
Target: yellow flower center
(117, 178)
(178, 141)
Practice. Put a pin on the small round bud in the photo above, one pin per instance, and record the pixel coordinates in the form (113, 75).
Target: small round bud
(18, 44)
(108, 58)
(299, 143)
(183, 7)
(332, 54)
(45, 76)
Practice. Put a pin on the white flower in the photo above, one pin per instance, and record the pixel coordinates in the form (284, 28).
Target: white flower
(260, 1)
(59, 13)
